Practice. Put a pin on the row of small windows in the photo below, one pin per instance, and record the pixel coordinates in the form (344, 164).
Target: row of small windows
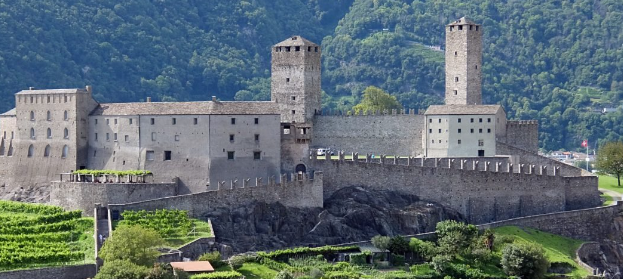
(47, 151)
(460, 27)
(33, 134)
(232, 137)
(167, 155)
(257, 155)
(49, 116)
(480, 142)
(296, 48)
(152, 121)
(459, 120)
(49, 99)
(430, 131)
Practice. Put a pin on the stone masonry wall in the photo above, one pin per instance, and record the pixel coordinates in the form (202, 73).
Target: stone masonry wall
(65, 272)
(84, 196)
(523, 134)
(527, 157)
(481, 195)
(301, 192)
(393, 134)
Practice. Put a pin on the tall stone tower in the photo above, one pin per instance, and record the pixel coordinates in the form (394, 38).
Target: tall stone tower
(463, 63)
(295, 79)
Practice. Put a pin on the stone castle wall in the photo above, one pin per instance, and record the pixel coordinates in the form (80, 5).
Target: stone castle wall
(300, 192)
(396, 133)
(527, 157)
(523, 134)
(84, 195)
(65, 272)
(481, 192)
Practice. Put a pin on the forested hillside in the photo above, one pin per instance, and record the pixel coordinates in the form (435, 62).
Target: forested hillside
(551, 60)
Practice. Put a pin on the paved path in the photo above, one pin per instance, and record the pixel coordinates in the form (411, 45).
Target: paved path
(102, 229)
(616, 196)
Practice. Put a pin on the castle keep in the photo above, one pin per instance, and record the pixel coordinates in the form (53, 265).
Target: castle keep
(463, 154)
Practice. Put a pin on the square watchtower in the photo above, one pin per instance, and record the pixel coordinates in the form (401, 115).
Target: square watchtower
(463, 63)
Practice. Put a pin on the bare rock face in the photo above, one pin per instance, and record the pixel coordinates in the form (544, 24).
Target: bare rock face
(39, 194)
(351, 214)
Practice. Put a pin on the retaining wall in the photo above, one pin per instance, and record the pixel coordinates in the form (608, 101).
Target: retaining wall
(65, 272)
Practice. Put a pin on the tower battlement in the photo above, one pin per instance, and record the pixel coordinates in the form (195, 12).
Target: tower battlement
(463, 63)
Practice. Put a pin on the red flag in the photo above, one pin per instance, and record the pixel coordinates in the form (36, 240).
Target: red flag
(585, 143)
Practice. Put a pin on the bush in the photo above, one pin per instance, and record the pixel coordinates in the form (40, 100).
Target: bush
(214, 258)
(341, 275)
(423, 249)
(115, 269)
(360, 259)
(381, 242)
(398, 245)
(454, 237)
(236, 262)
(284, 274)
(441, 263)
(525, 260)
(397, 260)
(316, 273)
(218, 275)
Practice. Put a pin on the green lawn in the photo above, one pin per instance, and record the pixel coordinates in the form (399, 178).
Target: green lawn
(610, 183)
(557, 248)
(608, 200)
(201, 229)
(256, 271)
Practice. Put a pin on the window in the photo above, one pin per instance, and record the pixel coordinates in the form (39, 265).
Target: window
(297, 48)
(456, 53)
(65, 99)
(167, 155)
(94, 153)
(174, 121)
(46, 151)
(177, 137)
(480, 131)
(480, 120)
(471, 131)
(308, 49)
(48, 99)
(65, 116)
(31, 150)
(49, 133)
(257, 155)
(95, 121)
(152, 121)
(440, 131)
(459, 131)
(439, 120)
(488, 120)
(107, 137)
(257, 137)
(439, 141)
(115, 136)
(12, 135)
(231, 138)
(460, 27)
(489, 131)
(48, 116)
(471, 120)
(230, 155)
(456, 79)
(293, 111)
(115, 121)
(65, 151)
(32, 100)
(195, 120)
(286, 130)
(459, 120)
(153, 136)
(315, 49)
(459, 142)
(127, 138)
(481, 142)
(257, 121)
(233, 121)
(95, 136)
(32, 115)
(130, 120)
(287, 79)
(430, 120)
(149, 155)
(66, 133)
(456, 92)
(430, 131)
(32, 133)
(107, 121)
(432, 141)
(293, 98)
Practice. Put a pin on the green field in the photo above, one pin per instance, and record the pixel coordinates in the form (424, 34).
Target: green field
(34, 235)
(608, 200)
(610, 183)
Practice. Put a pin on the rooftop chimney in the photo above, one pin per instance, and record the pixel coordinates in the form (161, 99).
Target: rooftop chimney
(213, 98)
(31, 88)
(89, 89)
(148, 100)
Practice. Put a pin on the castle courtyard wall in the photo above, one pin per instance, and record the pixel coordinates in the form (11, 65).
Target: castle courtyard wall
(390, 134)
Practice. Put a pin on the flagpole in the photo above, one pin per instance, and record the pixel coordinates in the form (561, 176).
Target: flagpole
(586, 154)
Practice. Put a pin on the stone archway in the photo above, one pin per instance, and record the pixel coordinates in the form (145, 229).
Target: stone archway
(300, 168)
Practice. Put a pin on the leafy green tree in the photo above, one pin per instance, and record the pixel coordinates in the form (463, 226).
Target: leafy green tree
(455, 237)
(122, 269)
(381, 242)
(424, 249)
(132, 243)
(610, 159)
(214, 258)
(525, 260)
(284, 274)
(374, 99)
(398, 245)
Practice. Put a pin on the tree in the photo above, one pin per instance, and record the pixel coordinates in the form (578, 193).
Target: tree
(398, 245)
(381, 242)
(214, 258)
(423, 249)
(610, 159)
(132, 243)
(374, 99)
(525, 260)
(284, 274)
(122, 269)
(454, 237)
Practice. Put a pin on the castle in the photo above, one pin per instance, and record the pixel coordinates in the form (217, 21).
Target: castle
(203, 144)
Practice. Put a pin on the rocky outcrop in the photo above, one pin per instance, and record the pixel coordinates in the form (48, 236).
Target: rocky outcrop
(351, 214)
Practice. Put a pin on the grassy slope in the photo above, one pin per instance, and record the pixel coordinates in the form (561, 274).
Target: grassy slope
(557, 248)
(610, 183)
(257, 271)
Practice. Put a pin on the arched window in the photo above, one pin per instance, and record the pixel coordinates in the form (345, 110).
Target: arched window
(46, 152)
(49, 133)
(31, 150)
(32, 133)
(66, 134)
(32, 115)
(48, 116)
(65, 116)
(65, 151)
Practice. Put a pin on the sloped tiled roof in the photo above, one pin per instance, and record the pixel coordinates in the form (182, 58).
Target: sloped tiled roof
(9, 113)
(51, 91)
(296, 41)
(463, 109)
(197, 266)
(186, 108)
(463, 21)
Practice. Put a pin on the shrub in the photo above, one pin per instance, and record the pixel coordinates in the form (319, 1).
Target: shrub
(454, 237)
(397, 260)
(341, 275)
(381, 242)
(316, 273)
(218, 275)
(423, 249)
(236, 262)
(525, 260)
(360, 259)
(398, 245)
(214, 258)
(284, 274)
(441, 263)
(115, 269)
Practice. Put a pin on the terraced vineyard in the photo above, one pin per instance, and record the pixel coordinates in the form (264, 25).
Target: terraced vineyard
(34, 235)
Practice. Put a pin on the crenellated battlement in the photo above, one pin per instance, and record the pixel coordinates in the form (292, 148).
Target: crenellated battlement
(521, 122)
(370, 113)
(284, 180)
